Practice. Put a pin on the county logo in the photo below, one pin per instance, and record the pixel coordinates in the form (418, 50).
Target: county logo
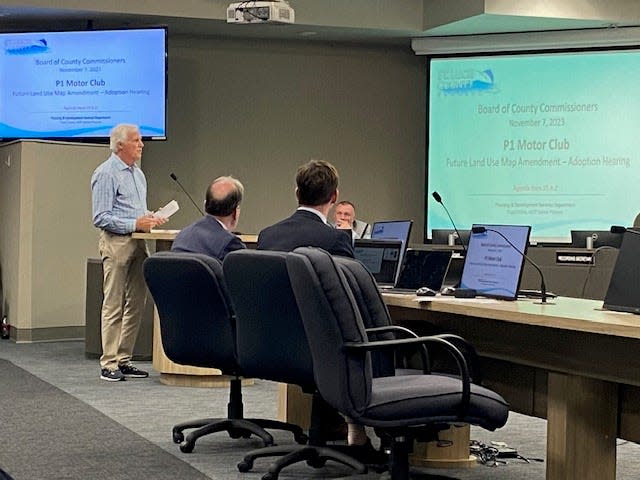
(466, 82)
(25, 46)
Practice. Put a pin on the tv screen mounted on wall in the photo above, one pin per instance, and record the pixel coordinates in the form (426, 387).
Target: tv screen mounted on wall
(77, 85)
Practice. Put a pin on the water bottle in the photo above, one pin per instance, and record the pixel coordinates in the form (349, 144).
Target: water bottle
(5, 330)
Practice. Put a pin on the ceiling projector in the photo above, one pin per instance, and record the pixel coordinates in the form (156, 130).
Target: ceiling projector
(260, 12)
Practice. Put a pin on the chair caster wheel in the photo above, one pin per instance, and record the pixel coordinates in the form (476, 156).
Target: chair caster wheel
(270, 476)
(301, 439)
(186, 447)
(178, 436)
(245, 466)
(235, 433)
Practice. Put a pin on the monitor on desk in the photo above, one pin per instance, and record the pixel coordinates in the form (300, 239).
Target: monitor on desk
(493, 266)
(440, 236)
(393, 230)
(623, 294)
(600, 238)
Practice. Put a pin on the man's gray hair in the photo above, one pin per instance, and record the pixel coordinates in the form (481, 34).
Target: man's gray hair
(119, 134)
(222, 207)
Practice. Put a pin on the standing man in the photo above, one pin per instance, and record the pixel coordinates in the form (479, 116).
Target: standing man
(317, 191)
(119, 203)
(211, 235)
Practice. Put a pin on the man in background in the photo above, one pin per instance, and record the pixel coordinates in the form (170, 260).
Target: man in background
(119, 204)
(317, 191)
(211, 235)
(344, 217)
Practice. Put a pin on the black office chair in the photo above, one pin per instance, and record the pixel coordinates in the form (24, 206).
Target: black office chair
(400, 407)
(272, 345)
(197, 328)
(378, 325)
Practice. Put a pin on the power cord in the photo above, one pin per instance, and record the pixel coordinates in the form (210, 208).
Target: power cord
(495, 455)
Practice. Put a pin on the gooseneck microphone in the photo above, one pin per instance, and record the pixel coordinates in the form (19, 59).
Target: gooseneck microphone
(175, 179)
(436, 196)
(543, 287)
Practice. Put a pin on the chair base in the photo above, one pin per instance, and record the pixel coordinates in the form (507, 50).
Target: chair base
(237, 428)
(315, 456)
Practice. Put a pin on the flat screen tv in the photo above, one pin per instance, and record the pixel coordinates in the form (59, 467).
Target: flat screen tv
(493, 265)
(77, 85)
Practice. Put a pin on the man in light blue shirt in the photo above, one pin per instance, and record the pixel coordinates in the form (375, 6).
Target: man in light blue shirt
(119, 204)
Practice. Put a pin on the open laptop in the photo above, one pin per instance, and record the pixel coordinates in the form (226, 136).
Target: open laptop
(422, 268)
(382, 258)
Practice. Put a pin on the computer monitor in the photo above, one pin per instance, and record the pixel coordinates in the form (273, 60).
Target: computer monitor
(440, 236)
(600, 238)
(393, 230)
(492, 266)
(623, 294)
(381, 257)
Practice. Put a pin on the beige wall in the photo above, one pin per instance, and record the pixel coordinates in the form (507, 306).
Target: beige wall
(252, 109)
(45, 205)
(258, 110)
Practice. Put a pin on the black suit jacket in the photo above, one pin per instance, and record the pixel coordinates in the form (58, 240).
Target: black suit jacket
(305, 229)
(206, 236)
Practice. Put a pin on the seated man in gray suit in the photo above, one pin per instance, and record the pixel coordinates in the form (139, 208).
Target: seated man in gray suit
(211, 235)
(317, 191)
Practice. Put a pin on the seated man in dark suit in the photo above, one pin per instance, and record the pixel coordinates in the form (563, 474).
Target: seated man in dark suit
(317, 191)
(211, 235)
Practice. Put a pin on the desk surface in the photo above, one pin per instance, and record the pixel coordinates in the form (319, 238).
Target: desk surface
(565, 313)
(578, 366)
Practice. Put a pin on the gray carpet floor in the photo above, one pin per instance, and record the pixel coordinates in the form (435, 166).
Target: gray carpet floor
(149, 409)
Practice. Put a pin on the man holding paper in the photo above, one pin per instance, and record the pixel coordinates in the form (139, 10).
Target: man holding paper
(119, 204)
(211, 235)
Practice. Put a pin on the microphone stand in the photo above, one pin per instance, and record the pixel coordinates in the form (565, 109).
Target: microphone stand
(436, 196)
(543, 287)
(175, 179)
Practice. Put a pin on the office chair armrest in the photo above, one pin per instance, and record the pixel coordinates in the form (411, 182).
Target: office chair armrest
(405, 333)
(470, 355)
(362, 347)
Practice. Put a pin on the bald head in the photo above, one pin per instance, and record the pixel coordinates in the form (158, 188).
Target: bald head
(223, 197)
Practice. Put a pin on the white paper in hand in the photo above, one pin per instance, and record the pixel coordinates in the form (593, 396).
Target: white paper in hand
(168, 210)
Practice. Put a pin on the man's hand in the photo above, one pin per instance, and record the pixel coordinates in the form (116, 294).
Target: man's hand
(149, 221)
(343, 225)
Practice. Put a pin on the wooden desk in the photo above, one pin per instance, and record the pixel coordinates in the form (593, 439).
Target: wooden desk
(172, 373)
(570, 362)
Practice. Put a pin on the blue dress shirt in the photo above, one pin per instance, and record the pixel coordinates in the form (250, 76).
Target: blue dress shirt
(119, 196)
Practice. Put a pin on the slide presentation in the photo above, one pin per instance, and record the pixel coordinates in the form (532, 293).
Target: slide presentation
(548, 140)
(82, 83)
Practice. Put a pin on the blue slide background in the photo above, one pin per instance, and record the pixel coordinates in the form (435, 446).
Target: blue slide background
(547, 140)
(67, 84)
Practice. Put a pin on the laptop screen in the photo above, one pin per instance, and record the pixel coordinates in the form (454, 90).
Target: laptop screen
(424, 268)
(380, 257)
(393, 229)
(623, 294)
(492, 266)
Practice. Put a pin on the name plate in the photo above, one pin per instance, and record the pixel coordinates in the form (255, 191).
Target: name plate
(573, 258)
